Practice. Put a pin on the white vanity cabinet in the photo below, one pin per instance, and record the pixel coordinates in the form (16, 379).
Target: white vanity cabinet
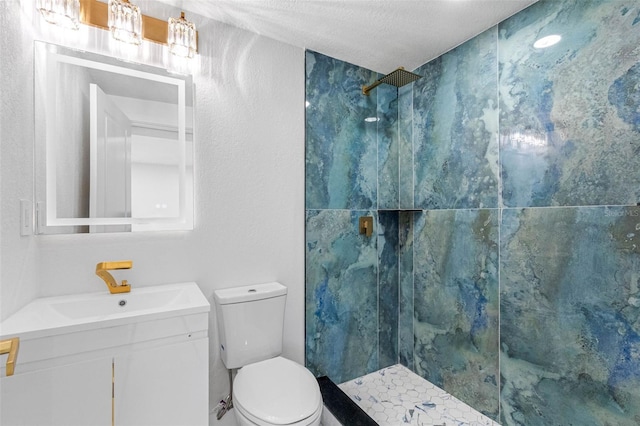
(77, 394)
(140, 367)
(167, 385)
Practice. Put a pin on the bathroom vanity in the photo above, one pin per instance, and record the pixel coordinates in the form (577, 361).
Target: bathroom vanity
(139, 358)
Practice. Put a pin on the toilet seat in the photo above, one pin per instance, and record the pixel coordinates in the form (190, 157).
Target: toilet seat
(277, 391)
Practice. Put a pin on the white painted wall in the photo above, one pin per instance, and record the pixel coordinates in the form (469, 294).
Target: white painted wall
(249, 162)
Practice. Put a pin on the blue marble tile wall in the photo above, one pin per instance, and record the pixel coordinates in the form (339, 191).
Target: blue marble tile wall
(569, 120)
(455, 116)
(546, 142)
(405, 147)
(570, 136)
(341, 170)
(388, 290)
(351, 171)
(456, 303)
(519, 277)
(454, 131)
(406, 289)
(341, 295)
(388, 147)
(570, 316)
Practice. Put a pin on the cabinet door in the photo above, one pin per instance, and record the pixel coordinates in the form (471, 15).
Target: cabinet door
(77, 394)
(166, 385)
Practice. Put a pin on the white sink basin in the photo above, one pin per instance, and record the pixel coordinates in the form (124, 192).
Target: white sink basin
(63, 314)
(103, 305)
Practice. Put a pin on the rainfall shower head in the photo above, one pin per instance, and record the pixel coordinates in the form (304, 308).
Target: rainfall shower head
(397, 78)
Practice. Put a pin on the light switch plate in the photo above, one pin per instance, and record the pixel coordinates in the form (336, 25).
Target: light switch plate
(26, 217)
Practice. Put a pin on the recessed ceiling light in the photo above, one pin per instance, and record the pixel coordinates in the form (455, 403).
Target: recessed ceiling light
(547, 41)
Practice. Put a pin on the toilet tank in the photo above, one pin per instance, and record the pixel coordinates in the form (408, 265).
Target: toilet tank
(250, 322)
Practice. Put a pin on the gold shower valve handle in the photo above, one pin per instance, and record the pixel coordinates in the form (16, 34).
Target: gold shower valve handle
(10, 346)
(366, 225)
(102, 270)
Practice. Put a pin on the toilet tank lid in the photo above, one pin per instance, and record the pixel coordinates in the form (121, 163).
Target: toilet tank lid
(249, 293)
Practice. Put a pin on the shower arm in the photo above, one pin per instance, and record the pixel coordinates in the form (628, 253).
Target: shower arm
(367, 89)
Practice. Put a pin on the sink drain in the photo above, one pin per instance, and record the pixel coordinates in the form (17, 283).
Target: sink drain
(122, 302)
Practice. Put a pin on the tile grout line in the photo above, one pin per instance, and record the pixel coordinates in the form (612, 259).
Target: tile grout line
(500, 205)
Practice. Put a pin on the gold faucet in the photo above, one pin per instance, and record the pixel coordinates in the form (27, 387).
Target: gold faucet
(102, 270)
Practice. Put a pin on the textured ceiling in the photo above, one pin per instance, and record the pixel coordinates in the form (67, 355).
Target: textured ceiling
(380, 35)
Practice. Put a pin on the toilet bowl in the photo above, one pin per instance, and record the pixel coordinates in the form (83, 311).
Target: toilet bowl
(276, 391)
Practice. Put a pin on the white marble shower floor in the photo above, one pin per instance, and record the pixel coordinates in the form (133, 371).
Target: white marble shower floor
(397, 396)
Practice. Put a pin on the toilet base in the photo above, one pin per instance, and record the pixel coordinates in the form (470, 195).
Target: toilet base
(242, 420)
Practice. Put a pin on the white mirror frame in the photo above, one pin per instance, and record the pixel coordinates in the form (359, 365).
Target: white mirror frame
(46, 215)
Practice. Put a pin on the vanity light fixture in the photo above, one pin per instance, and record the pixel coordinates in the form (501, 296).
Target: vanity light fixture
(65, 13)
(181, 37)
(125, 21)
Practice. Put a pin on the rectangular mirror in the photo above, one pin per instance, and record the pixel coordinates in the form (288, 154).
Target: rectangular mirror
(114, 144)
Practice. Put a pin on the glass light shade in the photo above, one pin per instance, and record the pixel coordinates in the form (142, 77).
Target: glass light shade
(65, 13)
(125, 21)
(181, 37)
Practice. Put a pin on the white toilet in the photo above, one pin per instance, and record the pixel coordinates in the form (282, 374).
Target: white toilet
(268, 389)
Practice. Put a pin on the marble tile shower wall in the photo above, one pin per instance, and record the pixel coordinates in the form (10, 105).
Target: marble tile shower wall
(351, 171)
(455, 314)
(569, 316)
(518, 284)
(455, 123)
(569, 275)
(526, 303)
(341, 147)
(341, 295)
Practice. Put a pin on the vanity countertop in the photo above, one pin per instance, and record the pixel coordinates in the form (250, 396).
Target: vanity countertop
(50, 316)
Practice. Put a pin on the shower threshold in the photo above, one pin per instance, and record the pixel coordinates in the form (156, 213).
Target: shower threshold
(397, 396)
